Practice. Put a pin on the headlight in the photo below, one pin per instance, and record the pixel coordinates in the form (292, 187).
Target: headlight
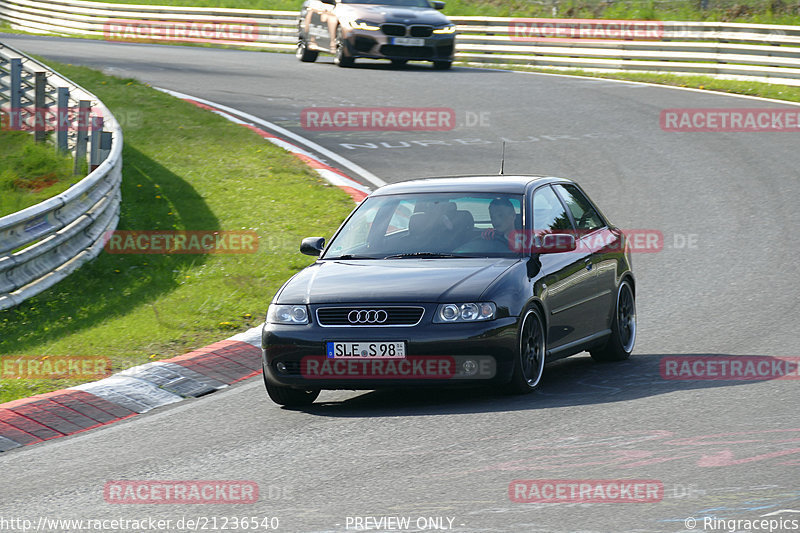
(287, 314)
(447, 29)
(363, 25)
(466, 312)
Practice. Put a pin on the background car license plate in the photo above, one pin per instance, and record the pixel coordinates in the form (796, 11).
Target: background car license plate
(408, 41)
(366, 350)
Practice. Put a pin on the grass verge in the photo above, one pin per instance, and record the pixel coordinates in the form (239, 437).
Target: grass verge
(763, 90)
(184, 169)
(30, 172)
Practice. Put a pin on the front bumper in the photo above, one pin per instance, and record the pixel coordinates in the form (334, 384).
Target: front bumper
(435, 356)
(376, 45)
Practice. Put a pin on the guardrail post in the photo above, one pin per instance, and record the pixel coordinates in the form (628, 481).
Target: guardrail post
(62, 119)
(39, 111)
(105, 145)
(82, 135)
(94, 143)
(15, 98)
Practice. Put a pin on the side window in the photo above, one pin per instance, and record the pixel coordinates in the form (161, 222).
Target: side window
(586, 217)
(548, 211)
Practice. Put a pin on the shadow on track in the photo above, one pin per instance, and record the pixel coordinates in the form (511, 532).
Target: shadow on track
(573, 381)
(378, 64)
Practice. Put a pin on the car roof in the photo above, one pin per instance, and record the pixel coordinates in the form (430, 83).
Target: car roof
(504, 184)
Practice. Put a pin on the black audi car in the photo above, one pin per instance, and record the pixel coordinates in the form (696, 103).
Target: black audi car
(447, 281)
(399, 30)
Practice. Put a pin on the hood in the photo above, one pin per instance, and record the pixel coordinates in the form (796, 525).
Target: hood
(393, 281)
(401, 15)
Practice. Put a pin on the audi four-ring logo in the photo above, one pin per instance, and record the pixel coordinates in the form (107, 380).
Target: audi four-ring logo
(367, 316)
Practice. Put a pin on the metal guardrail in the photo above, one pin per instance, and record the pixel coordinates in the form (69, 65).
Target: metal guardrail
(271, 30)
(757, 52)
(42, 244)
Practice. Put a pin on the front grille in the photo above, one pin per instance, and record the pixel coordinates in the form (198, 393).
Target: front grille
(396, 30)
(420, 31)
(370, 316)
(411, 52)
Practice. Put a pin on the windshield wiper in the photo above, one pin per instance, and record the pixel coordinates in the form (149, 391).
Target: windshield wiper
(353, 256)
(422, 254)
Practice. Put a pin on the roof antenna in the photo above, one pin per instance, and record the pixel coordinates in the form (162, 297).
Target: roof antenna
(503, 159)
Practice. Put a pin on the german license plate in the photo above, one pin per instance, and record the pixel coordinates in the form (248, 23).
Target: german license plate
(366, 350)
(408, 41)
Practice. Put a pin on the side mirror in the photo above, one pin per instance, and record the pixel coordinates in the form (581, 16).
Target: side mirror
(553, 243)
(312, 246)
(437, 4)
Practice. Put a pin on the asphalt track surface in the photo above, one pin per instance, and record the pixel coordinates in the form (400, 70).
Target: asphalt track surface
(724, 449)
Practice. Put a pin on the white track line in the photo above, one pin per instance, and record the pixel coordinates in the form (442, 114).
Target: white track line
(364, 173)
(332, 175)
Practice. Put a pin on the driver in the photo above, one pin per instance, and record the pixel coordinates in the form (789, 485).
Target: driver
(503, 216)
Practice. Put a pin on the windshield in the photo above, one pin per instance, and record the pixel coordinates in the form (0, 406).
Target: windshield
(430, 225)
(403, 3)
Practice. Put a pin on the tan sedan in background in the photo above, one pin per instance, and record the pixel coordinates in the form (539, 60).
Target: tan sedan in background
(398, 30)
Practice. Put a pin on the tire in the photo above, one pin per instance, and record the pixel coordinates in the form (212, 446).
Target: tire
(341, 57)
(304, 54)
(399, 62)
(442, 65)
(288, 396)
(529, 364)
(620, 343)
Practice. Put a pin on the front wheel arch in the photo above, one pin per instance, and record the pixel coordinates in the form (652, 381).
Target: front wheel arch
(341, 55)
(627, 276)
